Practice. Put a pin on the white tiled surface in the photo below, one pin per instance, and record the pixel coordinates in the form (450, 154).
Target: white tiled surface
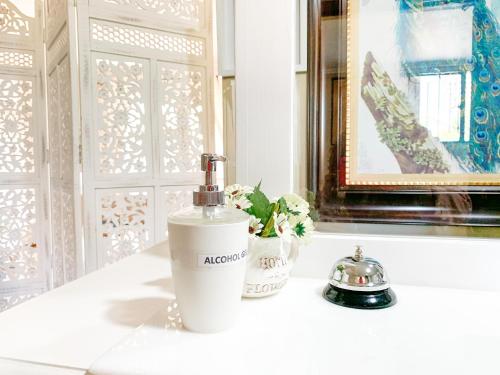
(72, 325)
(14, 367)
(432, 329)
(297, 332)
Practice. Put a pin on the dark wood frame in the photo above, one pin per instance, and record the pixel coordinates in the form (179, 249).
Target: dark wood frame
(445, 205)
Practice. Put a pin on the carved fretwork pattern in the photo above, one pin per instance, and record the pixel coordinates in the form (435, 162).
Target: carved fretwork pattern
(24, 225)
(182, 103)
(19, 248)
(69, 238)
(11, 300)
(149, 117)
(63, 235)
(61, 177)
(186, 10)
(67, 177)
(53, 100)
(56, 16)
(175, 198)
(122, 115)
(55, 172)
(16, 59)
(13, 22)
(58, 48)
(57, 235)
(65, 118)
(16, 126)
(124, 223)
(53, 117)
(130, 36)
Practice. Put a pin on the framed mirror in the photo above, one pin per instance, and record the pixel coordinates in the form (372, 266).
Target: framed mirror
(404, 111)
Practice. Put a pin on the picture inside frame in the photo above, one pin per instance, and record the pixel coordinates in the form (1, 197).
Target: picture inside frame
(423, 93)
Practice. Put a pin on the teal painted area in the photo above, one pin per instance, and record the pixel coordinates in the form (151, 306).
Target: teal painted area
(485, 64)
(482, 153)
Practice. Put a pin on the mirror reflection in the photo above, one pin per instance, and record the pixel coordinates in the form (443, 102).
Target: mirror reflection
(409, 104)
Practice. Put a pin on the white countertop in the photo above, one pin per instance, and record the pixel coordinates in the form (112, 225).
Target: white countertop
(122, 320)
(73, 325)
(430, 331)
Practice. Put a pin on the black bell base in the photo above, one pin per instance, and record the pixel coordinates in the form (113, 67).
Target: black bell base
(360, 300)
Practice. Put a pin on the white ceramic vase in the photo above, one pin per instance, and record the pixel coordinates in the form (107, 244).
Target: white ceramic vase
(269, 263)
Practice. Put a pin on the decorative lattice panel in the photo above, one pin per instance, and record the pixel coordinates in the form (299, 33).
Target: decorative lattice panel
(16, 58)
(58, 49)
(185, 11)
(23, 187)
(64, 264)
(17, 147)
(177, 197)
(20, 250)
(14, 24)
(55, 172)
(68, 234)
(182, 102)
(56, 14)
(9, 300)
(122, 116)
(61, 176)
(174, 198)
(53, 122)
(130, 36)
(147, 120)
(125, 222)
(66, 122)
(57, 235)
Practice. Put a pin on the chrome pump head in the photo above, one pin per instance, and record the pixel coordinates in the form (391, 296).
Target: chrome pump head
(209, 194)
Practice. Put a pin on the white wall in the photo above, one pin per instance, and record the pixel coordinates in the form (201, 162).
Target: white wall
(225, 37)
(468, 263)
(265, 74)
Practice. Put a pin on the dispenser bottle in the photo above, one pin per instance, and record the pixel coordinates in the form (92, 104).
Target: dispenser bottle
(208, 244)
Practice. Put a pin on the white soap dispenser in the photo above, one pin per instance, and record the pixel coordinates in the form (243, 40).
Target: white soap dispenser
(208, 244)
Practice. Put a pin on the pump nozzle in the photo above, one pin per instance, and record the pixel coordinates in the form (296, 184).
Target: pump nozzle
(209, 194)
(209, 166)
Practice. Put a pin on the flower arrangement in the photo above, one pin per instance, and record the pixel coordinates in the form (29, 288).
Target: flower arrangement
(287, 216)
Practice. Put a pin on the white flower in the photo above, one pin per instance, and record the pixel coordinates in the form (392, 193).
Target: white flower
(297, 204)
(301, 226)
(281, 225)
(294, 220)
(308, 226)
(236, 191)
(237, 196)
(255, 226)
(241, 203)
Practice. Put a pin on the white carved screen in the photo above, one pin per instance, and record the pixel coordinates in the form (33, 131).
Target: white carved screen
(147, 115)
(24, 259)
(63, 134)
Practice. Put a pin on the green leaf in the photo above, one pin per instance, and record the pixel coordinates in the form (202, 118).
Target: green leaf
(268, 229)
(261, 207)
(300, 230)
(283, 208)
